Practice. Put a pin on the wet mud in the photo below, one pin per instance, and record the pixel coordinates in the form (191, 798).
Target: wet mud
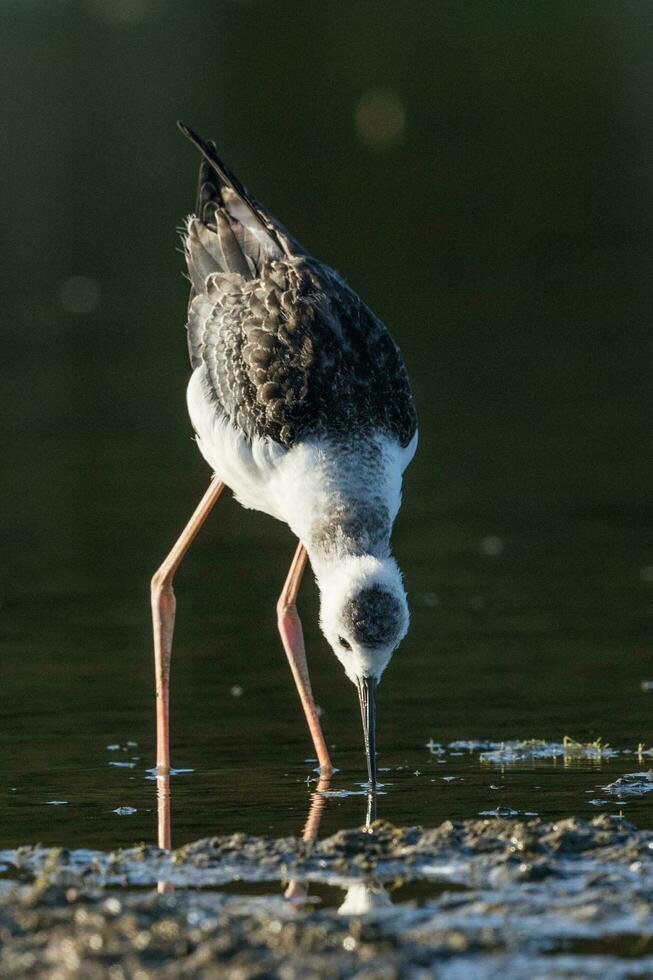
(484, 898)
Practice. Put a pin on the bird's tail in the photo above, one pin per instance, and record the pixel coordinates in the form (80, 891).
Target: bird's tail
(235, 233)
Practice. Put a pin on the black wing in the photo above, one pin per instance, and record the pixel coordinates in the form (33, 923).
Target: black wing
(289, 349)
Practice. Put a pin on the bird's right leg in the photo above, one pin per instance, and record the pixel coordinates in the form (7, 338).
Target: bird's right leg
(163, 620)
(292, 636)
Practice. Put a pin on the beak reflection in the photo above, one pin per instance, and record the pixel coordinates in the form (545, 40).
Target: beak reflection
(367, 697)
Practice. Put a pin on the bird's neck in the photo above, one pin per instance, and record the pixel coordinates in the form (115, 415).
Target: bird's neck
(341, 498)
(351, 570)
(349, 528)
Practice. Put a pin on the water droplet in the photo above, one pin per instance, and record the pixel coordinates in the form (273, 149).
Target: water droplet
(153, 775)
(501, 811)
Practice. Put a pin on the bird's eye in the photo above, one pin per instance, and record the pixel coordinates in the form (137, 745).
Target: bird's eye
(343, 643)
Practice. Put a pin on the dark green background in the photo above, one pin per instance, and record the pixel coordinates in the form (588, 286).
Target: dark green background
(506, 239)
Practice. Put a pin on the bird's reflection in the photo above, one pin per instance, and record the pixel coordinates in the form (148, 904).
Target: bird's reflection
(361, 897)
(164, 826)
(364, 897)
(296, 892)
(371, 810)
(311, 827)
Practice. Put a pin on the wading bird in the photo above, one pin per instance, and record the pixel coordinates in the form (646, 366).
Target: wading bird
(301, 405)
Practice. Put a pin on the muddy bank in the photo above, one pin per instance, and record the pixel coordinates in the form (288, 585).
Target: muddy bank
(480, 898)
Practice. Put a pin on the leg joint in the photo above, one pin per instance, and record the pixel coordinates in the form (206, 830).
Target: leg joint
(284, 608)
(161, 581)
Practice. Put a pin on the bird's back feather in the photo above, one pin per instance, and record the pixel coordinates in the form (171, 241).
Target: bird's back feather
(289, 349)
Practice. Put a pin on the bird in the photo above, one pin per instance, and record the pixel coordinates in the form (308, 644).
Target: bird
(301, 405)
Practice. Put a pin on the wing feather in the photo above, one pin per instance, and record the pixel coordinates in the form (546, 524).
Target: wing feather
(290, 350)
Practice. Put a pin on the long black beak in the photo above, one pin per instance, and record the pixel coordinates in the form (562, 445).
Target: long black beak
(367, 698)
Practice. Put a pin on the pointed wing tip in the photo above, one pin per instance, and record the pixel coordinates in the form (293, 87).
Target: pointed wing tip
(188, 132)
(206, 147)
(228, 179)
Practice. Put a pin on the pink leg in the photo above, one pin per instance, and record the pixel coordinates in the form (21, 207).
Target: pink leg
(292, 636)
(163, 621)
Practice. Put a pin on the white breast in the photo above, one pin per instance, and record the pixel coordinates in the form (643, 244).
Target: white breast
(245, 467)
(298, 484)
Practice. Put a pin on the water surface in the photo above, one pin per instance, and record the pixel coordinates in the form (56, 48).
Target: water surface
(505, 236)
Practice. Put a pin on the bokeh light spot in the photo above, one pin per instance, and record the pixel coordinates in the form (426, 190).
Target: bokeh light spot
(380, 119)
(491, 545)
(79, 294)
(121, 11)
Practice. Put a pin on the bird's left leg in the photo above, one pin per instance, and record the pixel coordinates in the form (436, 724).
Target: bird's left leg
(163, 619)
(292, 637)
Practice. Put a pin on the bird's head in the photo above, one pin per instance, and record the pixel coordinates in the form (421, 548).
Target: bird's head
(364, 616)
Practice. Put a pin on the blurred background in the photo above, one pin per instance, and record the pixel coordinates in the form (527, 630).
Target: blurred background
(482, 174)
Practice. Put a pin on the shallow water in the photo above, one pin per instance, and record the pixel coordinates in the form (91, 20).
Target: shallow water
(513, 268)
(530, 619)
(84, 732)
